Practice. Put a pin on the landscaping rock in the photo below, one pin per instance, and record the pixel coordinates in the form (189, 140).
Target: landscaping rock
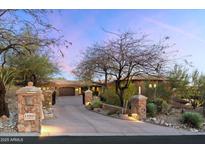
(147, 120)
(124, 116)
(1, 125)
(153, 119)
(184, 126)
(170, 125)
(166, 124)
(157, 122)
(162, 122)
(9, 124)
(194, 130)
(105, 112)
(48, 113)
(97, 109)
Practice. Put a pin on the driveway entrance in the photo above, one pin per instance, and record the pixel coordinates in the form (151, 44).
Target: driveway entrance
(73, 119)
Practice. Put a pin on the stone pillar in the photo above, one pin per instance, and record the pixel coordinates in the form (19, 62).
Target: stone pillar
(30, 111)
(138, 106)
(88, 96)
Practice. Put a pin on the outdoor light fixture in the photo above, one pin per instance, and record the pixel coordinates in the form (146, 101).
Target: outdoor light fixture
(87, 103)
(150, 85)
(140, 90)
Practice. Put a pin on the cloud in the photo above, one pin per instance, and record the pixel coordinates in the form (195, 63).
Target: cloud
(174, 29)
(66, 67)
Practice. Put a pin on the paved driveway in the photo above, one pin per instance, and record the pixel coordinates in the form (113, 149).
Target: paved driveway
(73, 119)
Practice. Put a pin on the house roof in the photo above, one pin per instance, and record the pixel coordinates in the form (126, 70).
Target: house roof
(67, 83)
(71, 83)
(149, 78)
(146, 78)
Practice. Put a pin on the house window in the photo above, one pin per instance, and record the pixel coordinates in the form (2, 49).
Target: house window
(93, 88)
(97, 89)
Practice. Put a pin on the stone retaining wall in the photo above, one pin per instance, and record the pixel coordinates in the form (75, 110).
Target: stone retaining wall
(113, 108)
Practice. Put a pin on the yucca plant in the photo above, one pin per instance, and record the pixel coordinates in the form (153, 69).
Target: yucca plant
(7, 76)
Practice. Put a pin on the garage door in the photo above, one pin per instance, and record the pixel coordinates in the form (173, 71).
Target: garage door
(67, 91)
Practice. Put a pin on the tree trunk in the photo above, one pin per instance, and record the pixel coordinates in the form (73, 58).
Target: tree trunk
(105, 83)
(4, 110)
(121, 96)
(34, 79)
(105, 79)
(119, 92)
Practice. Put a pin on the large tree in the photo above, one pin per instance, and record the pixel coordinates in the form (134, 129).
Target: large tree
(35, 68)
(14, 41)
(125, 56)
(94, 65)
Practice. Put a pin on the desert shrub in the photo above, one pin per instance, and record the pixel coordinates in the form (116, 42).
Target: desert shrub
(150, 101)
(160, 104)
(111, 112)
(151, 109)
(164, 91)
(90, 107)
(110, 97)
(102, 98)
(192, 119)
(130, 91)
(165, 107)
(96, 103)
(95, 93)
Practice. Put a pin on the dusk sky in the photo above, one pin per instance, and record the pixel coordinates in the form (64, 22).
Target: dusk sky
(186, 28)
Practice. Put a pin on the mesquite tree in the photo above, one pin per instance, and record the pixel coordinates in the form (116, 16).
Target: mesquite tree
(13, 40)
(127, 55)
(94, 64)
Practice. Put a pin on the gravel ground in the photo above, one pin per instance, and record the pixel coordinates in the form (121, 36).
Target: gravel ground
(8, 125)
(173, 120)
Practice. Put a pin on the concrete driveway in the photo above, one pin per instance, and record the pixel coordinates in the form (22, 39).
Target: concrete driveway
(72, 118)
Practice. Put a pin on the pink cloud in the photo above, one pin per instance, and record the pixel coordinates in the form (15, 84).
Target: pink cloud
(66, 67)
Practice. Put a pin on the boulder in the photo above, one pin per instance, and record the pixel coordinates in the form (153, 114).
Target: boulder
(124, 116)
(153, 119)
(166, 124)
(96, 109)
(162, 122)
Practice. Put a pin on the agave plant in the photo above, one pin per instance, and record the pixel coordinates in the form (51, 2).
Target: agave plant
(7, 76)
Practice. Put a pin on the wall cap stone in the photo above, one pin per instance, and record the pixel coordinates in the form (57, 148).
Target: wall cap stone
(139, 97)
(88, 91)
(28, 89)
